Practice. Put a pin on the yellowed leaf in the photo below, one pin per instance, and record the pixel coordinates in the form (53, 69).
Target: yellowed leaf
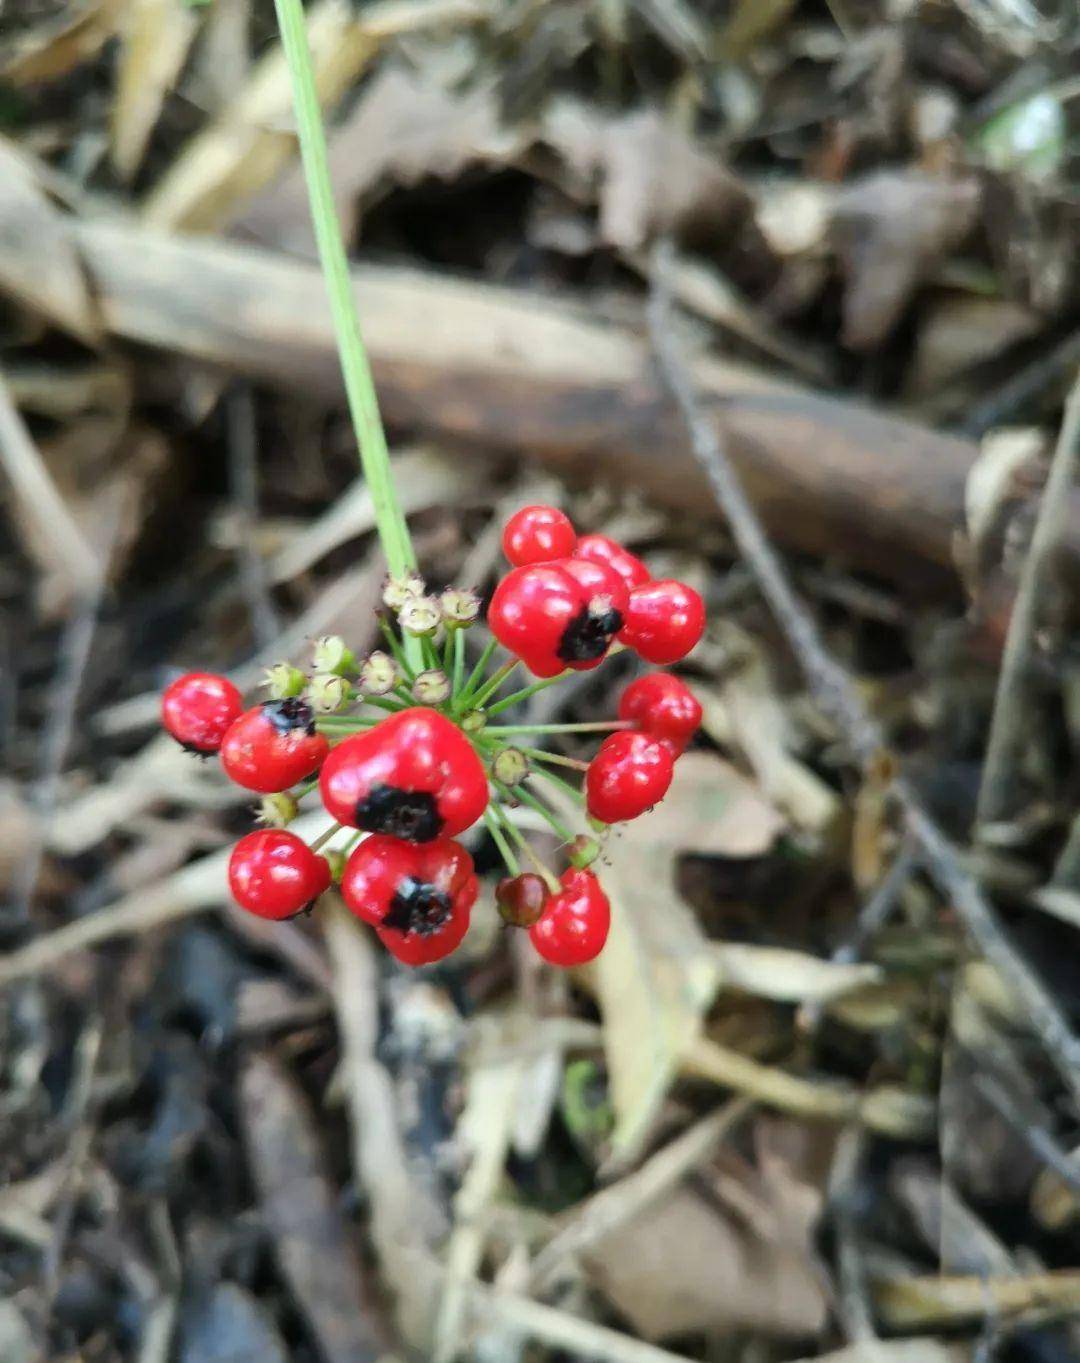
(156, 36)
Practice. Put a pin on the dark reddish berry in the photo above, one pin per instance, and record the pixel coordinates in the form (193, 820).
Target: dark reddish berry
(558, 615)
(574, 925)
(415, 776)
(521, 899)
(663, 707)
(198, 708)
(274, 874)
(629, 774)
(272, 746)
(600, 549)
(537, 534)
(664, 620)
(417, 897)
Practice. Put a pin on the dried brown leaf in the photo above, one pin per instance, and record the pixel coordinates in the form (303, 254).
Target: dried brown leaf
(302, 1213)
(39, 261)
(49, 51)
(890, 229)
(652, 177)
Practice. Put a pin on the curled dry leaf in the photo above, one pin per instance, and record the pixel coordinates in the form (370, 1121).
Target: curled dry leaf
(890, 229)
(653, 178)
(656, 975)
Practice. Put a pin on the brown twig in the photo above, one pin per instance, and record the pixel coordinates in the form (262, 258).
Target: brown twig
(836, 695)
(1009, 725)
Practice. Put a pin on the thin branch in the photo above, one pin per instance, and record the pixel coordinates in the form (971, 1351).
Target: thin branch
(1010, 726)
(836, 695)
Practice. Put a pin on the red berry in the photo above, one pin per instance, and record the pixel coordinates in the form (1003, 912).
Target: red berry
(198, 708)
(600, 549)
(558, 615)
(415, 776)
(274, 874)
(574, 925)
(417, 897)
(663, 707)
(630, 773)
(272, 746)
(664, 620)
(537, 534)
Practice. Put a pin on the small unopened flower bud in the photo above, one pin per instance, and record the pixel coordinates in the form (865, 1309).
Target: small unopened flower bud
(337, 862)
(583, 851)
(397, 590)
(420, 616)
(378, 674)
(283, 681)
(521, 899)
(460, 607)
(474, 721)
(327, 693)
(277, 810)
(510, 766)
(431, 687)
(332, 654)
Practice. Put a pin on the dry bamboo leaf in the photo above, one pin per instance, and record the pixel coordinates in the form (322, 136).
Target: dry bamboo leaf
(932, 1302)
(39, 262)
(49, 51)
(889, 230)
(252, 138)
(924, 1350)
(789, 976)
(404, 126)
(156, 35)
(250, 141)
(656, 975)
(653, 178)
(301, 1211)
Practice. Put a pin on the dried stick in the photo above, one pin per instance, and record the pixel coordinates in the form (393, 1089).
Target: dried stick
(1008, 728)
(837, 697)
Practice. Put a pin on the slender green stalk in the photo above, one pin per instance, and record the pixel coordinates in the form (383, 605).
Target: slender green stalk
(457, 670)
(346, 723)
(477, 674)
(527, 848)
(386, 703)
(555, 758)
(394, 645)
(505, 851)
(572, 791)
(359, 385)
(324, 838)
(493, 683)
(601, 726)
(518, 696)
(526, 797)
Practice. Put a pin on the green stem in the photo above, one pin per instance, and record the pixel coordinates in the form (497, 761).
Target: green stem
(458, 662)
(385, 703)
(394, 645)
(355, 368)
(601, 726)
(565, 786)
(476, 675)
(512, 863)
(324, 838)
(348, 723)
(526, 797)
(557, 759)
(493, 683)
(518, 696)
(526, 846)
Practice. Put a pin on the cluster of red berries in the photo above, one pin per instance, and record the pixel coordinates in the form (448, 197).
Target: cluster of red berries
(432, 763)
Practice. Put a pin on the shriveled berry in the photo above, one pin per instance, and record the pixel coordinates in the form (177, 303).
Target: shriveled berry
(272, 746)
(629, 774)
(664, 620)
(415, 776)
(431, 687)
(538, 534)
(379, 674)
(420, 616)
(521, 899)
(601, 549)
(664, 707)
(198, 708)
(460, 607)
(273, 874)
(397, 590)
(574, 925)
(558, 615)
(418, 898)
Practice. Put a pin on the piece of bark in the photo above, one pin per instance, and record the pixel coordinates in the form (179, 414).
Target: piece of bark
(508, 370)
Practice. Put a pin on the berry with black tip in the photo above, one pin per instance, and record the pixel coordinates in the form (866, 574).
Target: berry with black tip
(273, 745)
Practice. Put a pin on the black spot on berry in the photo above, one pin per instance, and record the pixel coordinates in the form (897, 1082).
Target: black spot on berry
(409, 814)
(588, 635)
(290, 714)
(418, 906)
